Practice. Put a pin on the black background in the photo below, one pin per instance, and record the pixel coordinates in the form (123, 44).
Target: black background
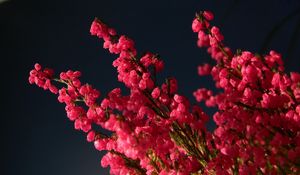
(36, 136)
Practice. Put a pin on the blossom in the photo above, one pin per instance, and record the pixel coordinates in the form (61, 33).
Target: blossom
(204, 69)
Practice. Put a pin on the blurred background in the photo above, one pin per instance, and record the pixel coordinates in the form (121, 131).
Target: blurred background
(36, 136)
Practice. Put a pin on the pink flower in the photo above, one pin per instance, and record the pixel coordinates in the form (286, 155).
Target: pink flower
(91, 136)
(208, 15)
(202, 94)
(100, 144)
(203, 39)
(155, 93)
(217, 34)
(125, 43)
(204, 69)
(99, 29)
(197, 25)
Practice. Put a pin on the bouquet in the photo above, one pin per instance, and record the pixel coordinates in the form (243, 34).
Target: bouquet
(154, 130)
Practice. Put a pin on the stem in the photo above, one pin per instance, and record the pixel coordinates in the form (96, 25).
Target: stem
(222, 49)
(60, 81)
(131, 163)
(183, 138)
(157, 110)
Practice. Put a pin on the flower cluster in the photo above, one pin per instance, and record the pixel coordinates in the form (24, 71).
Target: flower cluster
(154, 130)
(258, 119)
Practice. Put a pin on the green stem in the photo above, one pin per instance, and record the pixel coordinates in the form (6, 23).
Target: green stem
(131, 163)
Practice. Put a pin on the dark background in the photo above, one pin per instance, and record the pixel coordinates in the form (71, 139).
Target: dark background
(36, 136)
